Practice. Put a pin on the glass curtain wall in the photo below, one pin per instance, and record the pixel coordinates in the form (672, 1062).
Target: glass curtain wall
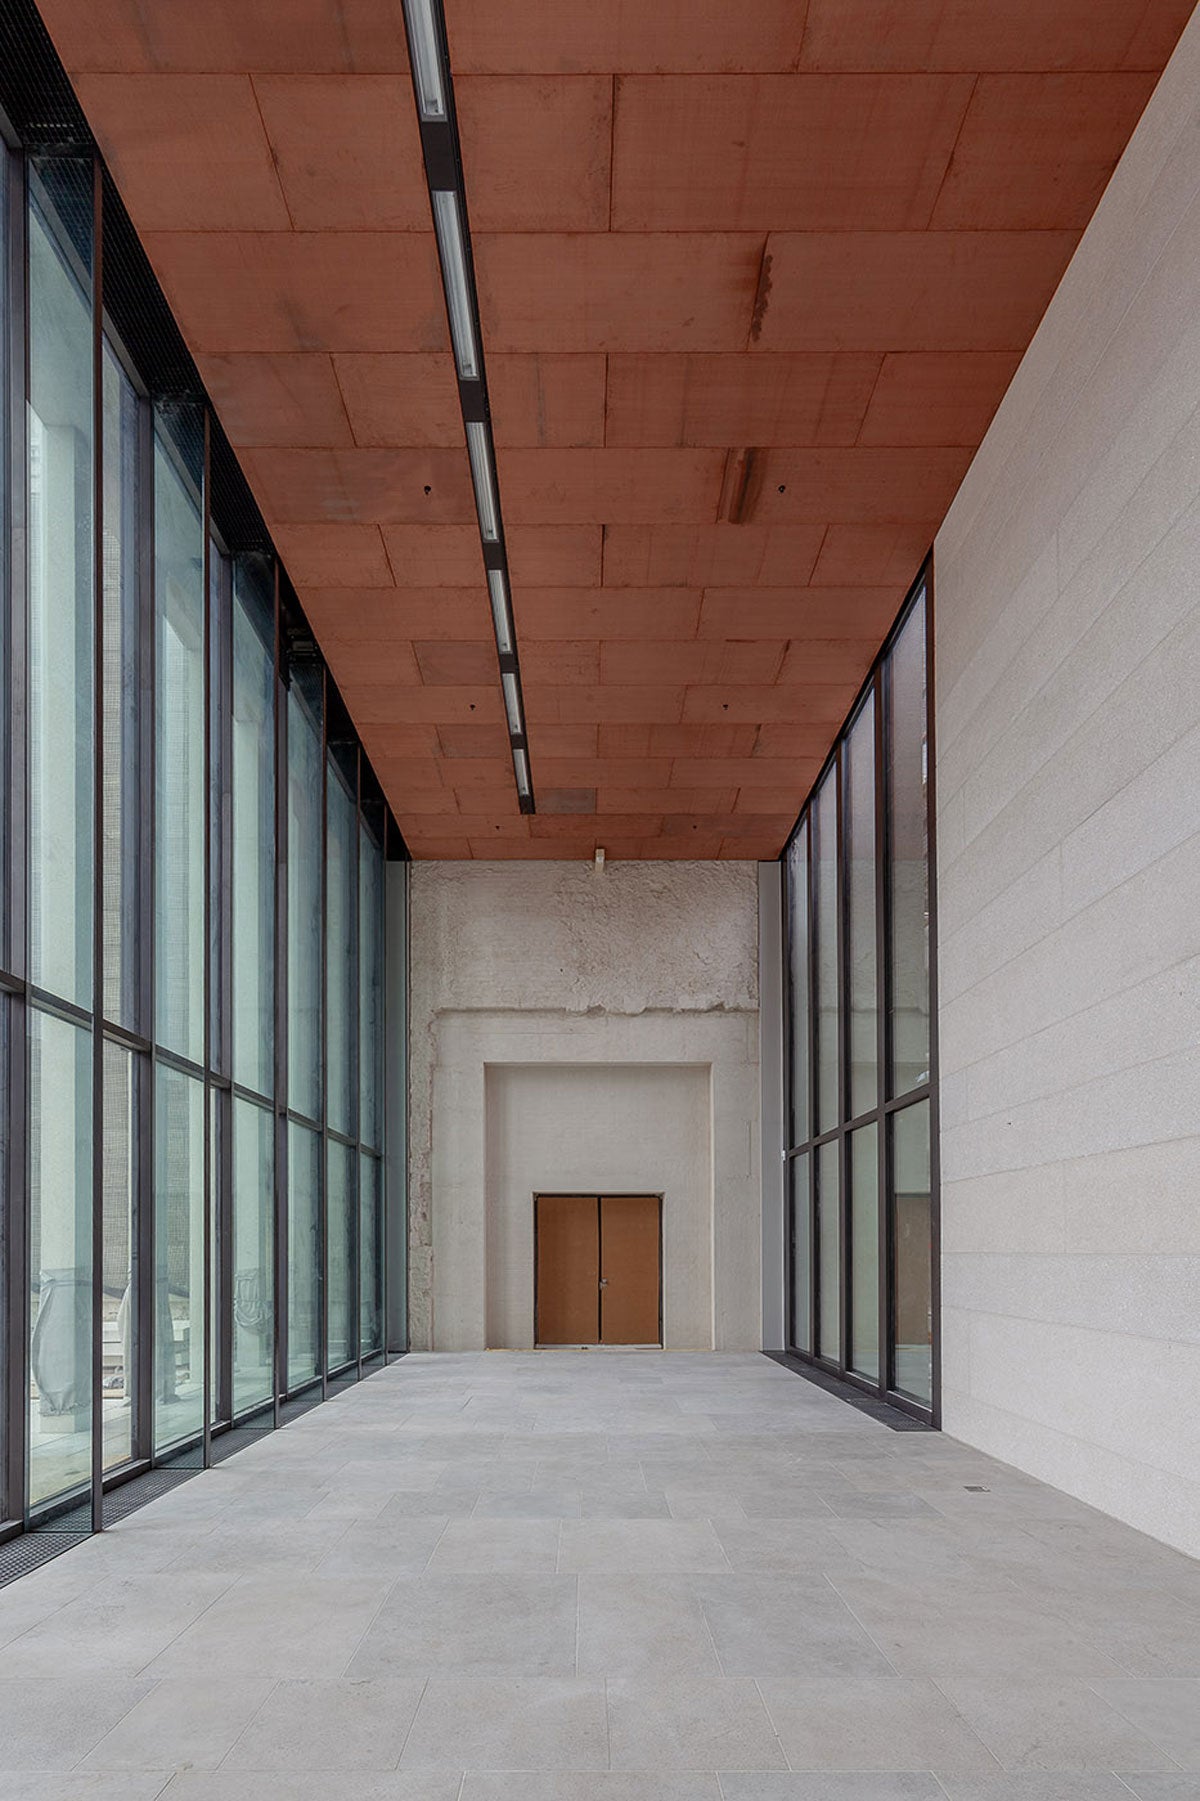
(194, 1153)
(858, 1005)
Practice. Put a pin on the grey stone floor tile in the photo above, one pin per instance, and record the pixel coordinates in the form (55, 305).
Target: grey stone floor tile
(598, 1503)
(1059, 1785)
(486, 1546)
(478, 1625)
(895, 1724)
(382, 1549)
(545, 1503)
(1051, 1726)
(180, 1725)
(628, 1547)
(831, 1787)
(643, 1625)
(1162, 1788)
(329, 1725)
(1166, 1709)
(534, 1724)
(691, 1723)
(81, 1785)
(275, 1626)
(786, 1626)
(117, 1626)
(718, 1504)
(353, 1785)
(608, 1785)
(786, 1547)
(50, 1724)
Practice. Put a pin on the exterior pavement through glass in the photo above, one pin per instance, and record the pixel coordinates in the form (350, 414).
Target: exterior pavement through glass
(564, 1576)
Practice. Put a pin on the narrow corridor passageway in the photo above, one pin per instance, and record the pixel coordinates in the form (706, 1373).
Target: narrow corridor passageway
(604, 1577)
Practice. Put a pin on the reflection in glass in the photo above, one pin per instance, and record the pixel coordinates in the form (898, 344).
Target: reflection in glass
(218, 1142)
(253, 1254)
(908, 831)
(179, 725)
(119, 1333)
(343, 1272)
(341, 899)
(122, 811)
(304, 1255)
(864, 1251)
(370, 1253)
(370, 965)
(220, 781)
(253, 827)
(60, 1253)
(859, 829)
(179, 1254)
(824, 826)
(829, 1261)
(305, 851)
(801, 1253)
(912, 1299)
(61, 576)
(796, 900)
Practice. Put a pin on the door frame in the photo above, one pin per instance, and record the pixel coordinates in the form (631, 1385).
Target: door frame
(620, 1194)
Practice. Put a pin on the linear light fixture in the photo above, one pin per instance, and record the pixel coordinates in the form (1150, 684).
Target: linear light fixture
(447, 222)
(433, 88)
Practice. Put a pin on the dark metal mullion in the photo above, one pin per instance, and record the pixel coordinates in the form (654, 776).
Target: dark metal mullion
(206, 567)
(16, 1240)
(935, 1183)
(810, 886)
(843, 1055)
(144, 1324)
(382, 1061)
(883, 1265)
(224, 1194)
(355, 1062)
(97, 1221)
(280, 1167)
(323, 1175)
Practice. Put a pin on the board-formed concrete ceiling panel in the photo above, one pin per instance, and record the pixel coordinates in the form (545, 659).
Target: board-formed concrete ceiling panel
(752, 283)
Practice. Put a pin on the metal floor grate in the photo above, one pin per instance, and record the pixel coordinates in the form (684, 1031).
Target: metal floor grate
(120, 1502)
(883, 1411)
(29, 1550)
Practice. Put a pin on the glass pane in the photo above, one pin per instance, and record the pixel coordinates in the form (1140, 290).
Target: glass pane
(253, 828)
(253, 1255)
(370, 963)
(304, 1255)
(60, 1249)
(829, 1260)
(305, 851)
(179, 1248)
(824, 826)
(218, 1201)
(120, 1337)
(864, 1251)
(342, 1272)
(123, 641)
(179, 724)
(909, 872)
(801, 1254)
(859, 828)
(795, 891)
(396, 1051)
(370, 1253)
(61, 576)
(912, 1300)
(342, 907)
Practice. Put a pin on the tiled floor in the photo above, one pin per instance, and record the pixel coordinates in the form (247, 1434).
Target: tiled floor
(590, 1577)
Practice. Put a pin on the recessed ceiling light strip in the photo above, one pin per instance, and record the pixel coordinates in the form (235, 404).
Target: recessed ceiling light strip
(434, 91)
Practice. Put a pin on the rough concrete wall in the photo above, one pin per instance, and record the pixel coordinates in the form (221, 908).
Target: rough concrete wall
(561, 938)
(1068, 730)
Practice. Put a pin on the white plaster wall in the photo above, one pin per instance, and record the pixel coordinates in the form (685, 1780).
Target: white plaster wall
(1068, 765)
(557, 967)
(591, 1128)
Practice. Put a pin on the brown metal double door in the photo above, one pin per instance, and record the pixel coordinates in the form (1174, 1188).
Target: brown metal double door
(598, 1269)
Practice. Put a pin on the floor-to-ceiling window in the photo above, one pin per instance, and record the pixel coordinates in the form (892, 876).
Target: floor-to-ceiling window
(857, 913)
(198, 1179)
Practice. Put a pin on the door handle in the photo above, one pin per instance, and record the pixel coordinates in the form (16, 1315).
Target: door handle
(604, 1281)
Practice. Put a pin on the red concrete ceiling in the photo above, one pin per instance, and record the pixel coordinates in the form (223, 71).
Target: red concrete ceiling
(823, 233)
